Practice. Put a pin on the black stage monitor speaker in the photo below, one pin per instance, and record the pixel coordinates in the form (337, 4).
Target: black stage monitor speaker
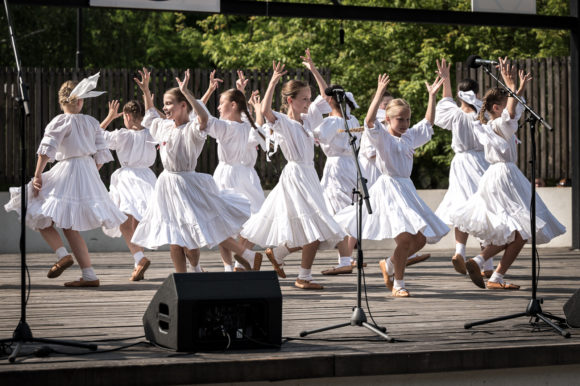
(572, 310)
(216, 311)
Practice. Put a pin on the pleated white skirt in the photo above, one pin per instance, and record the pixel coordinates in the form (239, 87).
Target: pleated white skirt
(243, 180)
(338, 180)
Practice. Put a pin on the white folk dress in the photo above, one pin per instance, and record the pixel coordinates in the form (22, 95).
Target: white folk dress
(294, 212)
(468, 164)
(237, 153)
(187, 208)
(367, 154)
(501, 205)
(73, 195)
(340, 175)
(396, 206)
(133, 184)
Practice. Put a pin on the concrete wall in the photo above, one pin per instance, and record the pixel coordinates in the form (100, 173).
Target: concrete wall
(558, 200)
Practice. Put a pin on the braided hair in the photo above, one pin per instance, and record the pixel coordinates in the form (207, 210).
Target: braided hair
(494, 96)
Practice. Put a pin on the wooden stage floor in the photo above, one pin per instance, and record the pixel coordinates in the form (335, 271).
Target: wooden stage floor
(427, 328)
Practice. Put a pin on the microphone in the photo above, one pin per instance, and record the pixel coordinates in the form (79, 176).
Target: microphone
(475, 61)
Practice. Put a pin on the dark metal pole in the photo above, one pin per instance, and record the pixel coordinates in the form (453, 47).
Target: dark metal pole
(575, 145)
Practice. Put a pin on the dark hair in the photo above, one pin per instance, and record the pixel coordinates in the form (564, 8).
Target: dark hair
(468, 85)
(291, 89)
(135, 109)
(334, 99)
(176, 92)
(235, 95)
(493, 96)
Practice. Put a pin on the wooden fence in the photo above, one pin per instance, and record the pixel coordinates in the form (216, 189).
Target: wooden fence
(43, 89)
(549, 94)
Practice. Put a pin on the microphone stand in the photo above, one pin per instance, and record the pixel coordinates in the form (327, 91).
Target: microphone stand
(358, 317)
(534, 309)
(22, 333)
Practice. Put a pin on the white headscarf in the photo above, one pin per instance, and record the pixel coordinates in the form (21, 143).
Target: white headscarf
(469, 97)
(350, 97)
(85, 88)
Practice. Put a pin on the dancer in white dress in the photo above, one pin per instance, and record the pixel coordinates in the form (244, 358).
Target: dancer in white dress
(71, 195)
(187, 210)
(398, 212)
(133, 184)
(294, 213)
(468, 164)
(498, 213)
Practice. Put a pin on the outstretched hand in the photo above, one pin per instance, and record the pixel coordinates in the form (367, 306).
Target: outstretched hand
(508, 73)
(524, 80)
(242, 82)
(279, 71)
(307, 60)
(255, 100)
(183, 83)
(114, 110)
(143, 83)
(435, 86)
(383, 82)
(443, 68)
(213, 81)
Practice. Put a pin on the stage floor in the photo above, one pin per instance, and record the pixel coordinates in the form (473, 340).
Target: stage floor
(427, 328)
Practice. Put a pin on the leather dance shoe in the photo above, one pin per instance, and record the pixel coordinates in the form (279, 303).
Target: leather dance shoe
(139, 271)
(83, 283)
(354, 264)
(492, 285)
(239, 269)
(58, 268)
(389, 280)
(277, 267)
(307, 284)
(400, 293)
(338, 270)
(474, 273)
(459, 264)
(417, 259)
(245, 263)
(257, 262)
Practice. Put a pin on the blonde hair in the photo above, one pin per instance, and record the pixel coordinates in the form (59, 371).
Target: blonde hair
(176, 92)
(64, 97)
(291, 89)
(494, 96)
(397, 103)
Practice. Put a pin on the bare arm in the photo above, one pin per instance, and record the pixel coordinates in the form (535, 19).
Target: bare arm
(508, 73)
(143, 84)
(37, 179)
(443, 71)
(242, 82)
(309, 63)
(433, 89)
(267, 101)
(257, 105)
(113, 114)
(213, 85)
(202, 116)
(374, 106)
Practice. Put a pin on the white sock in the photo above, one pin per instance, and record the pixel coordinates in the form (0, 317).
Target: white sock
(413, 255)
(228, 268)
(61, 252)
(460, 249)
(249, 255)
(280, 252)
(390, 267)
(89, 274)
(344, 261)
(138, 256)
(496, 278)
(398, 284)
(197, 268)
(305, 274)
(352, 260)
(479, 260)
(488, 265)
(238, 265)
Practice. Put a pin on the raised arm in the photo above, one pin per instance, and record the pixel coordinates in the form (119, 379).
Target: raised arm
(213, 85)
(509, 75)
(309, 63)
(112, 115)
(202, 116)
(278, 73)
(143, 84)
(433, 89)
(257, 106)
(374, 106)
(242, 82)
(443, 71)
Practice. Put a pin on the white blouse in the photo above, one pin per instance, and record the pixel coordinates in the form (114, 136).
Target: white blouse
(395, 154)
(499, 137)
(135, 148)
(334, 141)
(450, 117)
(74, 135)
(237, 141)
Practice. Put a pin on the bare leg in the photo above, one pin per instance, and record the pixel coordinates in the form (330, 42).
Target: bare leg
(419, 242)
(492, 250)
(246, 243)
(351, 244)
(226, 255)
(127, 229)
(78, 247)
(461, 237)
(343, 248)
(192, 255)
(308, 254)
(52, 237)
(291, 250)
(233, 245)
(511, 252)
(178, 257)
(402, 251)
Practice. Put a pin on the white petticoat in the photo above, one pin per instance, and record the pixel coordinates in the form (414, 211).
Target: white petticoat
(294, 213)
(73, 196)
(130, 190)
(243, 180)
(338, 180)
(369, 170)
(396, 208)
(500, 207)
(464, 176)
(188, 210)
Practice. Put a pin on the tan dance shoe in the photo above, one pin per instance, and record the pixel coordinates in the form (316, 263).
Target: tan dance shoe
(139, 271)
(338, 270)
(400, 293)
(389, 280)
(277, 267)
(58, 268)
(492, 285)
(474, 272)
(307, 284)
(417, 259)
(83, 283)
(459, 264)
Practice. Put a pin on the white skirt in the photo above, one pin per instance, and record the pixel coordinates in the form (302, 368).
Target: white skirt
(188, 210)
(243, 180)
(397, 208)
(294, 213)
(369, 170)
(73, 196)
(338, 180)
(464, 176)
(130, 190)
(500, 207)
